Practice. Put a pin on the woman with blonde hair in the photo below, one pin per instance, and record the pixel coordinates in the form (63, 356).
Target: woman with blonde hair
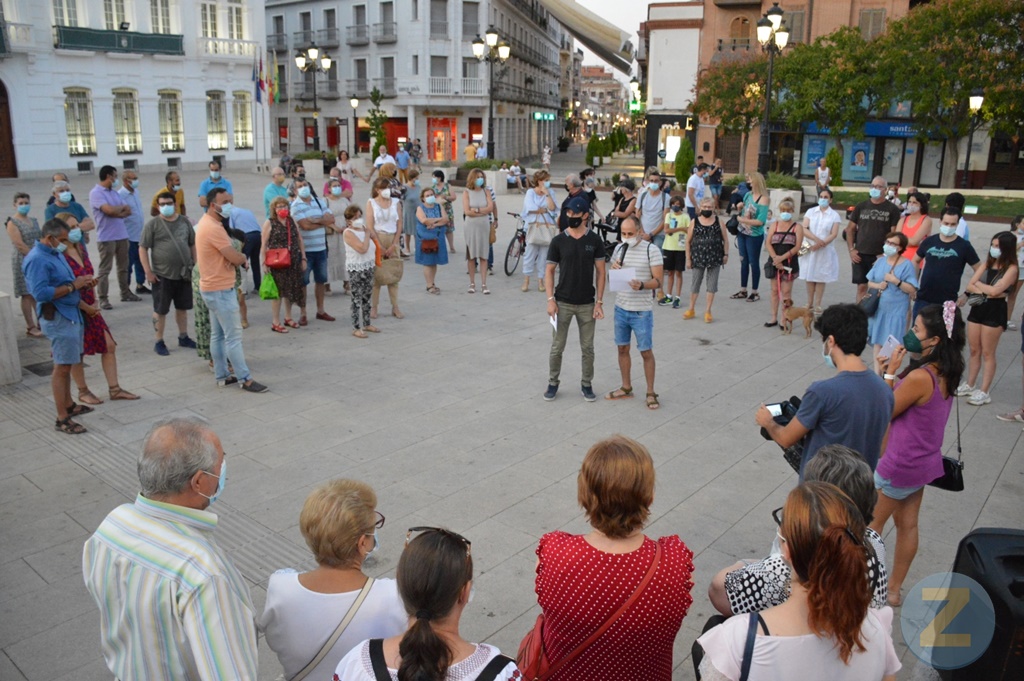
(785, 237)
(476, 206)
(339, 522)
(384, 220)
(539, 211)
(753, 218)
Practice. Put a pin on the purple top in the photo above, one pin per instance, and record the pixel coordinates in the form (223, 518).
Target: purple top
(107, 228)
(913, 456)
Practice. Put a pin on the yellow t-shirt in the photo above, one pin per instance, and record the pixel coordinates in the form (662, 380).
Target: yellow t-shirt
(215, 272)
(179, 199)
(677, 241)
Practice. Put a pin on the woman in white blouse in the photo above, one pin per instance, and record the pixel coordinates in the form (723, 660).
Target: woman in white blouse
(384, 219)
(820, 264)
(339, 522)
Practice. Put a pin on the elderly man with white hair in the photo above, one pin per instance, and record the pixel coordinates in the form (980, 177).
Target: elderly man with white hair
(172, 604)
(63, 201)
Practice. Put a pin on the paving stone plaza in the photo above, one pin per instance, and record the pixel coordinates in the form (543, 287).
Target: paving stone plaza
(442, 414)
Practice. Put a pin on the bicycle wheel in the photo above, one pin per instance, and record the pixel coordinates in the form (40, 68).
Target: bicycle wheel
(513, 254)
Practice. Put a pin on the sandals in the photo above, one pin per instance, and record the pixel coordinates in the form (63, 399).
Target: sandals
(434, 290)
(708, 318)
(396, 313)
(689, 314)
(359, 333)
(652, 401)
(472, 288)
(624, 393)
(303, 321)
(85, 396)
(34, 332)
(119, 393)
(486, 291)
(371, 328)
(79, 409)
(754, 297)
(739, 295)
(291, 323)
(277, 328)
(70, 427)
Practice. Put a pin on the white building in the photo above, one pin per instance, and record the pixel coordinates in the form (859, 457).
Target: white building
(419, 54)
(145, 84)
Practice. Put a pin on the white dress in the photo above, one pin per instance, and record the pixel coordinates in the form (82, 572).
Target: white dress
(821, 266)
(336, 270)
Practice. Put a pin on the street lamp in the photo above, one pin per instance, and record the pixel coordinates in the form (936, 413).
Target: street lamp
(977, 98)
(773, 36)
(354, 102)
(491, 48)
(311, 61)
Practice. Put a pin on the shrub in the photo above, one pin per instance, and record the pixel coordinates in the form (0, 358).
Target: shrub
(834, 161)
(307, 155)
(592, 149)
(615, 179)
(780, 181)
(684, 160)
(484, 164)
(735, 180)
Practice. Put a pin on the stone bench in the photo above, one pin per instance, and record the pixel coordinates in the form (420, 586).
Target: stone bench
(10, 320)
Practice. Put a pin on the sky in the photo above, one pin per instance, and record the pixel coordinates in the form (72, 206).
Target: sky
(626, 14)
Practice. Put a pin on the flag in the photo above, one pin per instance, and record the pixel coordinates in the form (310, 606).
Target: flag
(263, 82)
(276, 81)
(255, 80)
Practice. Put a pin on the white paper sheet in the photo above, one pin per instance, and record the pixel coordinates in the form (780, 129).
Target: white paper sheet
(618, 280)
(554, 322)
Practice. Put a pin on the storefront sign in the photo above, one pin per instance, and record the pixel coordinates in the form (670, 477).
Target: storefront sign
(871, 129)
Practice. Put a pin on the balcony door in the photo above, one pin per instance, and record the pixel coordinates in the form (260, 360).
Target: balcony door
(8, 162)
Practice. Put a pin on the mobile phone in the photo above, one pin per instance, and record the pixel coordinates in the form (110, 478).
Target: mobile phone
(774, 409)
(891, 343)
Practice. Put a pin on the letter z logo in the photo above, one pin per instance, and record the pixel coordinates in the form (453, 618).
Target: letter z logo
(933, 636)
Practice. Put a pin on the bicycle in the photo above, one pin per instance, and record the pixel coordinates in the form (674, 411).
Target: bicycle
(516, 246)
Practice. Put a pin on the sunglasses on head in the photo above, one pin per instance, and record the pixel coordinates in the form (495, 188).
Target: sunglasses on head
(455, 535)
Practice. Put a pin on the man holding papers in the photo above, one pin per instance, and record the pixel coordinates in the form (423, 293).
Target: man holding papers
(636, 271)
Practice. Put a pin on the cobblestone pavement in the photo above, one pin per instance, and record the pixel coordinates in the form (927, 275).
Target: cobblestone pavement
(442, 414)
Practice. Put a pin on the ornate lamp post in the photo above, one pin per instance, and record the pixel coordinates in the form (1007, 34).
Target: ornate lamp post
(773, 36)
(310, 60)
(491, 48)
(974, 104)
(354, 102)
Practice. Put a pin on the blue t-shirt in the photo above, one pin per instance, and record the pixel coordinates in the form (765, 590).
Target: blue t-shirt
(943, 267)
(74, 208)
(853, 408)
(206, 185)
(402, 159)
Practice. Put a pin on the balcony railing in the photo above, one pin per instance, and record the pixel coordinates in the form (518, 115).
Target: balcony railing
(358, 35)
(329, 37)
(224, 47)
(473, 86)
(277, 42)
(328, 89)
(440, 86)
(439, 30)
(358, 87)
(534, 57)
(386, 86)
(515, 93)
(303, 91)
(76, 38)
(734, 44)
(385, 32)
(302, 39)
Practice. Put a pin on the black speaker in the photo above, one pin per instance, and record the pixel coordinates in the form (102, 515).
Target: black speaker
(994, 557)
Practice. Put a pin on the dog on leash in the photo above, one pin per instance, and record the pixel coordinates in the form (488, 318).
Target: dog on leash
(790, 314)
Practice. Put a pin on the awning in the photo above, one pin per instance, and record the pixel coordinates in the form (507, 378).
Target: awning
(606, 40)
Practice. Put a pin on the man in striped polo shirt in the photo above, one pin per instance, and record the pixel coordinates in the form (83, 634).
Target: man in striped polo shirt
(313, 217)
(172, 604)
(634, 309)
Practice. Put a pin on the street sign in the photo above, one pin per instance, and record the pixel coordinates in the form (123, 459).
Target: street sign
(661, 153)
(543, 116)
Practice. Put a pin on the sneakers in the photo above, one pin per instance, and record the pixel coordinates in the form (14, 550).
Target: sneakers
(253, 386)
(964, 389)
(142, 289)
(667, 300)
(978, 398)
(675, 304)
(1017, 416)
(105, 304)
(230, 380)
(130, 298)
(588, 393)
(550, 393)
(161, 348)
(1011, 326)
(185, 342)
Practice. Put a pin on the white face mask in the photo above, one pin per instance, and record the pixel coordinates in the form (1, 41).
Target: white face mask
(386, 193)
(358, 223)
(946, 230)
(632, 241)
(913, 208)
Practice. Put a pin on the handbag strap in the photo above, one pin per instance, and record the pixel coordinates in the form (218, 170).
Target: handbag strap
(748, 648)
(611, 620)
(380, 665)
(959, 451)
(494, 667)
(345, 621)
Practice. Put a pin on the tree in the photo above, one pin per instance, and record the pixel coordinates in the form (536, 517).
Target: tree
(592, 149)
(834, 162)
(940, 51)
(732, 93)
(684, 160)
(376, 118)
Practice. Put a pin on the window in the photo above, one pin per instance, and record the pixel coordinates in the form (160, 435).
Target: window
(243, 119)
(359, 15)
(278, 25)
(387, 67)
(359, 66)
(113, 14)
(387, 12)
(415, 10)
(330, 18)
(872, 23)
(306, 21)
(160, 16)
(470, 67)
(470, 18)
(172, 130)
(127, 131)
(236, 31)
(65, 12)
(216, 121)
(208, 19)
(438, 18)
(795, 22)
(439, 67)
(415, 64)
(78, 121)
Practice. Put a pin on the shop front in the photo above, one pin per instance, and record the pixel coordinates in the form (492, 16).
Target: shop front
(887, 148)
(1005, 163)
(664, 134)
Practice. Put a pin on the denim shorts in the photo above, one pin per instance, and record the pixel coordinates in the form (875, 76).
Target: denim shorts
(316, 262)
(66, 338)
(640, 323)
(886, 487)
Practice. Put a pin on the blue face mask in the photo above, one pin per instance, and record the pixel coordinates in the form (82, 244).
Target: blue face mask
(547, 183)
(214, 174)
(653, 186)
(875, 193)
(135, 184)
(335, 191)
(24, 208)
(430, 200)
(220, 480)
(167, 211)
(827, 357)
(225, 210)
(64, 197)
(785, 217)
(116, 185)
(304, 192)
(947, 231)
(479, 182)
(824, 203)
(433, 181)
(177, 188)
(61, 247)
(75, 235)
(415, 183)
(995, 252)
(376, 543)
(889, 250)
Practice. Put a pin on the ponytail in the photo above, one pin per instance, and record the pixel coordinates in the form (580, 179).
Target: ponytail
(838, 594)
(425, 655)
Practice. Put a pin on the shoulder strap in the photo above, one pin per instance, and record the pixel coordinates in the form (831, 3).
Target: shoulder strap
(611, 620)
(748, 649)
(624, 247)
(380, 665)
(326, 648)
(184, 258)
(493, 668)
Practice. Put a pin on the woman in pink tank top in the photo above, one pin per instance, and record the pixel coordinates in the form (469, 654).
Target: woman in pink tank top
(916, 224)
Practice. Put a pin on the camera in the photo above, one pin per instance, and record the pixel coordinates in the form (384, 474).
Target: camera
(782, 413)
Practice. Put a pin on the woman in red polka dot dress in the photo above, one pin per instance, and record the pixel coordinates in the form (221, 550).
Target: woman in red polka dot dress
(582, 580)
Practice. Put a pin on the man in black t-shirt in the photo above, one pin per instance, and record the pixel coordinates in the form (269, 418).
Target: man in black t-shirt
(945, 254)
(577, 253)
(574, 189)
(870, 221)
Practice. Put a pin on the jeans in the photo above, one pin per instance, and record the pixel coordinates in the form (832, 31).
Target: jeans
(490, 256)
(584, 316)
(135, 265)
(251, 249)
(226, 334)
(750, 257)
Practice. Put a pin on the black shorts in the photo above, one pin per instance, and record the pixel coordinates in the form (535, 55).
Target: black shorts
(674, 261)
(167, 290)
(861, 269)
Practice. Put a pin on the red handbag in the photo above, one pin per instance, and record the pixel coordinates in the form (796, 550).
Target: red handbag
(281, 258)
(533, 661)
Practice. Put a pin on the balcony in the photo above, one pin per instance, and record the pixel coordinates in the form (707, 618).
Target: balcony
(277, 42)
(328, 89)
(532, 56)
(14, 37)
(227, 48)
(386, 86)
(76, 38)
(439, 86)
(358, 35)
(385, 32)
(439, 30)
(522, 95)
(301, 39)
(473, 86)
(329, 37)
(734, 44)
(303, 92)
(358, 87)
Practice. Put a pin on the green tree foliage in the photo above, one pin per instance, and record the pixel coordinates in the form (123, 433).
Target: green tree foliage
(834, 161)
(731, 93)
(684, 160)
(592, 149)
(376, 118)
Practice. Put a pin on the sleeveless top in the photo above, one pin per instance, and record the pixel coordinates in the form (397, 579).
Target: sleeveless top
(909, 232)
(385, 219)
(913, 457)
(354, 260)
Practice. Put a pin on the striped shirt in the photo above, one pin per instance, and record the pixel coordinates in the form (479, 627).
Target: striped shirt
(313, 239)
(172, 605)
(642, 257)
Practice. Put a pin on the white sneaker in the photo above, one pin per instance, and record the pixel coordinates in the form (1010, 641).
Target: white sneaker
(1011, 326)
(979, 398)
(964, 389)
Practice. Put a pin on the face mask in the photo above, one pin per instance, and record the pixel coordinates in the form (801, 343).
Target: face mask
(574, 222)
(827, 357)
(64, 197)
(912, 343)
(889, 250)
(707, 213)
(785, 217)
(225, 210)
(823, 203)
(282, 213)
(335, 191)
(653, 186)
(415, 183)
(116, 185)
(547, 183)
(75, 235)
(913, 208)
(304, 192)
(947, 231)
(995, 252)
(24, 208)
(300, 176)
(433, 182)
(472, 592)
(135, 184)
(430, 200)
(632, 241)
(386, 193)
(359, 223)
(61, 247)
(376, 543)
(167, 210)
(875, 193)
(677, 209)
(223, 476)
(214, 174)
(177, 188)
(479, 182)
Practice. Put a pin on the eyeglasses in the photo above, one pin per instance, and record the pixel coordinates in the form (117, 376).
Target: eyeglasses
(380, 520)
(456, 535)
(878, 186)
(893, 243)
(777, 516)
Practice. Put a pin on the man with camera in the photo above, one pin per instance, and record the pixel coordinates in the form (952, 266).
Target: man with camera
(853, 408)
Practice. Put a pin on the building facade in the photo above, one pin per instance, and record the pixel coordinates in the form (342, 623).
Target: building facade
(418, 54)
(143, 84)
(604, 99)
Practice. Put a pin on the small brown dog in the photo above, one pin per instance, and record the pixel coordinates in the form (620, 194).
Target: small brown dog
(790, 314)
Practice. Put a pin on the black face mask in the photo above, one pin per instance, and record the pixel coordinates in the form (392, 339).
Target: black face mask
(301, 176)
(566, 187)
(574, 222)
(707, 213)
